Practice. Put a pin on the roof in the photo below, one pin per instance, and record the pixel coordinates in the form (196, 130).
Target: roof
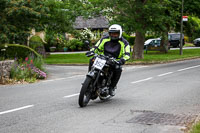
(93, 23)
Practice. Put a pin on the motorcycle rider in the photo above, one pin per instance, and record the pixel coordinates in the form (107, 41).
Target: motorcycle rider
(116, 46)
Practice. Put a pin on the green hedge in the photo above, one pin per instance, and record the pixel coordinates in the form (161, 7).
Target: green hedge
(75, 45)
(192, 28)
(37, 44)
(131, 39)
(12, 51)
(35, 41)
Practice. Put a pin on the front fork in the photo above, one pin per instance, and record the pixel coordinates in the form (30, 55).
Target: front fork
(95, 76)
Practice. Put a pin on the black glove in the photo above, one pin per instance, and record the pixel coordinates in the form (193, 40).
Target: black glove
(89, 53)
(121, 61)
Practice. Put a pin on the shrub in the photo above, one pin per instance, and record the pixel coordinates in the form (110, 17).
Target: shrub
(12, 51)
(186, 38)
(192, 28)
(86, 34)
(61, 41)
(50, 38)
(37, 44)
(130, 39)
(75, 45)
(150, 37)
(28, 70)
(54, 40)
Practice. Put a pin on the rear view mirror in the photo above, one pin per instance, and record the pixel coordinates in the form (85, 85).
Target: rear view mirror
(87, 42)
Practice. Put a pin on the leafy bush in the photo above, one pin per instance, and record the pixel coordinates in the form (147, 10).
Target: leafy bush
(130, 39)
(86, 34)
(75, 45)
(28, 70)
(192, 29)
(61, 42)
(35, 41)
(150, 37)
(55, 40)
(186, 38)
(37, 44)
(12, 51)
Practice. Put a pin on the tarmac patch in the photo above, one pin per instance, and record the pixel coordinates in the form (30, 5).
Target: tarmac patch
(152, 118)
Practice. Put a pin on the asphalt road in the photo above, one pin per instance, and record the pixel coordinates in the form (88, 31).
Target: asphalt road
(160, 98)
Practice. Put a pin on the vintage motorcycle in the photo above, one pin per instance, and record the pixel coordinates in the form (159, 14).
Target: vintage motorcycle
(98, 79)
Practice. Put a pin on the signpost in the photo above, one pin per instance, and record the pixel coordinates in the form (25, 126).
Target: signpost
(185, 18)
(181, 36)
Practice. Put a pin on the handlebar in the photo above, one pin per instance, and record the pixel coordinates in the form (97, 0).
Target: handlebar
(108, 58)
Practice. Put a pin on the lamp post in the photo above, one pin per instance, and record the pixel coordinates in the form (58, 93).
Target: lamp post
(181, 41)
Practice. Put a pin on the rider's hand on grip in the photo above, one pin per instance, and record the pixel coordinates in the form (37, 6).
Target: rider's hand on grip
(121, 61)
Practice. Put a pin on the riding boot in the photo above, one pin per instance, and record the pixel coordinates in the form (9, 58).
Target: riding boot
(114, 80)
(116, 76)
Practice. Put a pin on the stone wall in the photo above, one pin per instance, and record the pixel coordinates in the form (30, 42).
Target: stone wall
(5, 68)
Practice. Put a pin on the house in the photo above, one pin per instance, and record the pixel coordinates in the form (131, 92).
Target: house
(96, 23)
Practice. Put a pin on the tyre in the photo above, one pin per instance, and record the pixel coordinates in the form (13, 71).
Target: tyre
(85, 93)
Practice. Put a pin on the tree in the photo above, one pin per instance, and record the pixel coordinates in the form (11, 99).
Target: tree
(18, 17)
(140, 16)
(192, 28)
(61, 15)
(191, 7)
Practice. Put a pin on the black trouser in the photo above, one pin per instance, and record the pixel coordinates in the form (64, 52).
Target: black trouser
(116, 73)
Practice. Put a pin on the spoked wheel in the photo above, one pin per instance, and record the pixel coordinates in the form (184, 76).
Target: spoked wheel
(85, 94)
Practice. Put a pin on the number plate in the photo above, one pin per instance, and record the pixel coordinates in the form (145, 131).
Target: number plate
(99, 63)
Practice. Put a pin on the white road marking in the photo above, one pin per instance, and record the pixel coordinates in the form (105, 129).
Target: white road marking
(71, 95)
(75, 76)
(142, 80)
(133, 67)
(188, 68)
(54, 79)
(17, 109)
(164, 74)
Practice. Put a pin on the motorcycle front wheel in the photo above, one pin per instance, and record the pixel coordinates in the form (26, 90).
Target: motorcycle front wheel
(85, 93)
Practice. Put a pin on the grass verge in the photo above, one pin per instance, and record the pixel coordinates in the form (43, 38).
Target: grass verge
(195, 128)
(152, 57)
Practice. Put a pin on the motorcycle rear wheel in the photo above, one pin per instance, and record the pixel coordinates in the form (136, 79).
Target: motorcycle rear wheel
(85, 93)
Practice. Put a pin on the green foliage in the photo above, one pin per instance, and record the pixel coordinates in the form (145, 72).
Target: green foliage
(140, 16)
(75, 45)
(12, 51)
(150, 37)
(62, 14)
(37, 44)
(151, 57)
(28, 70)
(50, 38)
(35, 41)
(54, 40)
(192, 28)
(60, 17)
(196, 128)
(130, 39)
(67, 59)
(191, 7)
(18, 17)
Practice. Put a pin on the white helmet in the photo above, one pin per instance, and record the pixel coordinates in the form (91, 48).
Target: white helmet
(115, 28)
